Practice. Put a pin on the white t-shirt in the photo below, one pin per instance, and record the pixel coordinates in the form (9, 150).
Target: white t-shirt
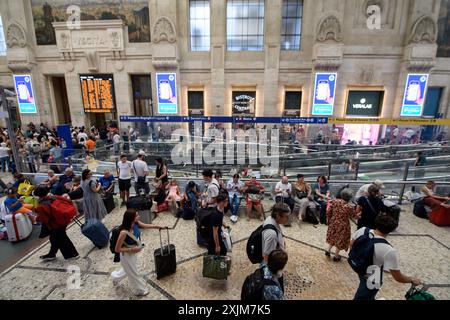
(395, 132)
(82, 135)
(233, 188)
(4, 152)
(409, 133)
(211, 191)
(116, 138)
(284, 188)
(124, 170)
(140, 168)
(362, 191)
(384, 254)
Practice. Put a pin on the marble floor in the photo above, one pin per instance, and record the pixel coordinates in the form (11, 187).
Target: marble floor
(424, 252)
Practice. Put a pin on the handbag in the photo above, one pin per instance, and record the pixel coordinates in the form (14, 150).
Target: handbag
(216, 267)
(227, 239)
(140, 180)
(25, 188)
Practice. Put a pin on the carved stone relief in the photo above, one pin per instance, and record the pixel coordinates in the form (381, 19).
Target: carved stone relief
(164, 30)
(15, 35)
(92, 59)
(329, 29)
(424, 31)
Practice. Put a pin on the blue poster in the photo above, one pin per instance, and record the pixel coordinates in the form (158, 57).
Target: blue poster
(25, 95)
(414, 97)
(167, 93)
(324, 90)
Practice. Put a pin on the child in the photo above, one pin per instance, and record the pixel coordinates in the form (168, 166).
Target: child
(174, 195)
(16, 205)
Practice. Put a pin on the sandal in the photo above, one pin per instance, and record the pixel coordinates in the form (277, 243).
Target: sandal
(337, 259)
(328, 254)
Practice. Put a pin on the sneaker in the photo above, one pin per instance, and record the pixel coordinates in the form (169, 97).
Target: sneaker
(142, 293)
(73, 258)
(234, 219)
(47, 258)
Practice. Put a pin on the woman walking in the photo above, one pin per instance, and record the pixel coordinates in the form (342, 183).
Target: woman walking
(338, 220)
(128, 245)
(93, 206)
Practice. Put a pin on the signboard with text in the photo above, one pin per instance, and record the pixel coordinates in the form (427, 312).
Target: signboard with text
(243, 102)
(167, 93)
(97, 91)
(364, 103)
(414, 96)
(25, 95)
(324, 94)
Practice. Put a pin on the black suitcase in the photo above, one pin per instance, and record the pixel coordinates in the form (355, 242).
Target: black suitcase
(419, 210)
(108, 201)
(165, 258)
(139, 203)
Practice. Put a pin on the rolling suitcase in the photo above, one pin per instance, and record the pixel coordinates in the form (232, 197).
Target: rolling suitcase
(165, 258)
(146, 216)
(439, 216)
(18, 226)
(95, 231)
(108, 201)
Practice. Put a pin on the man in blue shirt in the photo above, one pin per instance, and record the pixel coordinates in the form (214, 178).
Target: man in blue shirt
(107, 182)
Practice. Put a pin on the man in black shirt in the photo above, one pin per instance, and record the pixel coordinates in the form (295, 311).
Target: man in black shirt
(216, 246)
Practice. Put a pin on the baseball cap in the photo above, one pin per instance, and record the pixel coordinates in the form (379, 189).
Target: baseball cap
(379, 183)
(141, 153)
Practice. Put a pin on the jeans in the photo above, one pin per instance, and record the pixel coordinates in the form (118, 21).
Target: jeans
(5, 161)
(364, 293)
(235, 201)
(323, 210)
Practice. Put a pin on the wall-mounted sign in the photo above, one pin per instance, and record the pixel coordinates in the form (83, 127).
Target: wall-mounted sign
(167, 93)
(243, 102)
(25, 95)
(97, 91)
(324, 91)
(364, 103)
(414, 97)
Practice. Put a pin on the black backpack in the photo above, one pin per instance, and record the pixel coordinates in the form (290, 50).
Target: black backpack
(254, 243)
(203, 221)
(252, 289)
(115, 232)
(360, 256)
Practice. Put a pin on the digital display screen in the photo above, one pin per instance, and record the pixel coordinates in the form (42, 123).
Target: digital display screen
(414, 95)
(324, 91)
(25, 95)
(98, 92)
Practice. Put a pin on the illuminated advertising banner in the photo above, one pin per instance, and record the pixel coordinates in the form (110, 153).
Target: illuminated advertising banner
(324, 93)
(414, 97)
(97, 91)
(25, 95)
(167, 93)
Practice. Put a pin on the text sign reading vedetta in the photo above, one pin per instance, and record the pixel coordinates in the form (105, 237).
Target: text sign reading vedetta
(25, 95)
(414, 97)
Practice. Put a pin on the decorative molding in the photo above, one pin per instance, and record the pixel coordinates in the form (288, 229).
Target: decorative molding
(329, 29)
(424, 30)
(15, 35)
(164, 30)
(20, 66)
(420, 65)
(92, 59)
(327, 64)
(164, 63)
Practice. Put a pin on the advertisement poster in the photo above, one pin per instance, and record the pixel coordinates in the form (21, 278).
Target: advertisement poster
(24, 91)
(415, 90)
(167, 93)
(324, 93)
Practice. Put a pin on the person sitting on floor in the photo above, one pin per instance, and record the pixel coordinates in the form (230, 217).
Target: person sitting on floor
(431, 198)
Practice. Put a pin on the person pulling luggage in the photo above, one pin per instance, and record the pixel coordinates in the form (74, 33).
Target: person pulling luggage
(128, 245)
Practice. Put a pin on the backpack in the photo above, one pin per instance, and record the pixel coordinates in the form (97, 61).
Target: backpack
(254, 243)
(252, 289)
(203, 221)
(62, 212)
(360, 256)
(115, 232)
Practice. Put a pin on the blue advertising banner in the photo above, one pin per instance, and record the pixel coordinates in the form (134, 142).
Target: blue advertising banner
(324, 91)
(64, 133)
(25, 95)
(414, 97)
(167, 93)
(225, 119)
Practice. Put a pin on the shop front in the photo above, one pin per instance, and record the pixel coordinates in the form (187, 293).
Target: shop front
(362, 104)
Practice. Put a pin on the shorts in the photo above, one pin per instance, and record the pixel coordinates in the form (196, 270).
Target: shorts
(124, 185)
(250, 202)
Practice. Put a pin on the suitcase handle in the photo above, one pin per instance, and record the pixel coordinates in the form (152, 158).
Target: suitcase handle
(160, 241)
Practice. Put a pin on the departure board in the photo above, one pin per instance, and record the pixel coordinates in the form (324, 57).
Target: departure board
(97, 91)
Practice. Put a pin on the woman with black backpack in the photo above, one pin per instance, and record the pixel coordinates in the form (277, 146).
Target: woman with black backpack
(128, 243)
(370, 207)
